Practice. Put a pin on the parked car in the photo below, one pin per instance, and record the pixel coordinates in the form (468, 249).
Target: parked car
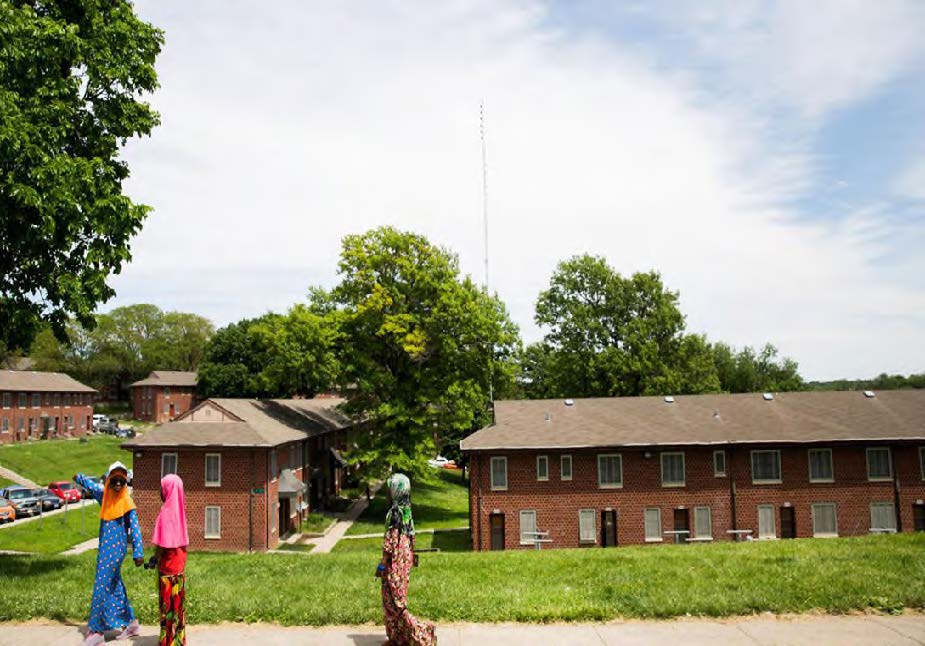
(23, 500)
(106, 425)
(65, 490)
(85, 493)
(7, 511)
(125, 431)
(49, 501)
(438, 462)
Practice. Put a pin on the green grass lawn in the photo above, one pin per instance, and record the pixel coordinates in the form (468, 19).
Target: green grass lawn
(297, 547)
(879, 572)
(52, 533)
(436, 505)
(48, 460)
(316, 523)
(6, 483)
(444, 541)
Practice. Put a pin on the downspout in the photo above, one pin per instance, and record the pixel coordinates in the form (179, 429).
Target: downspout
(478, 504)
(897, 509)
(732, 490)
(266, 498)
(250, 508)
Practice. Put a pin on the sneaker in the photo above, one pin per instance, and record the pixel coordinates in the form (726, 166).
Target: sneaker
(130, 631)
(94, 639)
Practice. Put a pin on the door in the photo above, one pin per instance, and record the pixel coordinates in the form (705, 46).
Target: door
(918, 517)
(283, 517)
(682, 525)
(788, 522)
(496, 522)
(173, 411)
(608, 528)
(766, 528)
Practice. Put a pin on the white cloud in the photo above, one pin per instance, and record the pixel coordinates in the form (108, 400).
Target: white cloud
(285, 130)
(910, 184)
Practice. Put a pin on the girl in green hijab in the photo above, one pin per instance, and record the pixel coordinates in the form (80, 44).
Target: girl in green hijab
(395, 569)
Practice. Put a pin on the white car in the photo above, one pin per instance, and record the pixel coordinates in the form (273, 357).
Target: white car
(438, 462)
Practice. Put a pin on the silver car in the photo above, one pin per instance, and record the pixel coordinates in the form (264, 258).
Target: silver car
(23, 500)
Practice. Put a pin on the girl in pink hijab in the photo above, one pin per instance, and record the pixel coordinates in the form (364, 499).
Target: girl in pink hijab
(171, 540)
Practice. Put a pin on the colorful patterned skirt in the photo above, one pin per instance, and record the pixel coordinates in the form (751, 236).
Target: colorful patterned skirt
(171, 593)
(401, 627)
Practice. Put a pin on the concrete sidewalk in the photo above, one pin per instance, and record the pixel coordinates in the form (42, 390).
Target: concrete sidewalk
(326, 543)
(908, 629)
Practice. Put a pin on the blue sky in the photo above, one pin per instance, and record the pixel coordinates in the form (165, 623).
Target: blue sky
(767, 158)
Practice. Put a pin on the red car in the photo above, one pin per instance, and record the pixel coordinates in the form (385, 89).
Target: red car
(65, 490)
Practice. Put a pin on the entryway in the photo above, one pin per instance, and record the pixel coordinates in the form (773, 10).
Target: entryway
(609, 528)
(918, 517)
(682, 525)
(788, 522)
(496, 522)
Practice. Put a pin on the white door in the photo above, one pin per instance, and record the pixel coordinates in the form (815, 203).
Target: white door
(766, 528)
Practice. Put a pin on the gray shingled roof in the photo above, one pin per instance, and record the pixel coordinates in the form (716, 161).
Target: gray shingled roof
(263, 423)
(40, 382)
(703, 419)
(168, 378)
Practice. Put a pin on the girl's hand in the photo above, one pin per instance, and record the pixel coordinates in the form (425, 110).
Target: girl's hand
(138, 562)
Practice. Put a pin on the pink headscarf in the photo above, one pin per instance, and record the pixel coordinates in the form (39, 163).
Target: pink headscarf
(170, 528)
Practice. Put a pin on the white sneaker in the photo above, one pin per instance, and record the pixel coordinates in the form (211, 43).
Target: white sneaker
(130, 631)
(94, 639)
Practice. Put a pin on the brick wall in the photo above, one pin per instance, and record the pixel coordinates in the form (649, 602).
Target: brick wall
(152, 403)
(56, 408)
(557, 502)
(243, 514)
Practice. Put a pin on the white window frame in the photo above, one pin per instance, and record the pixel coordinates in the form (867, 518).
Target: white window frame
(683, 481)
(568, 458)
(889, 462)
(7, 400)
(531, 540)
(773, 533)
(609, 485)
(205, 528)
(809, 459)
(835, 514)
(23, 400)
(584, 537)
(755, 480)
(545, 460)
(36, 400)
(215, 483)
(709, 511)
(878, 530)
(176, 463)
(6, 425)
(716, 472)
(491, 473)
(658, 534)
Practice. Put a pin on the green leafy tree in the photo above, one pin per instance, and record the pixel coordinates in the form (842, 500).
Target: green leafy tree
(748, 370)
(71, 74)
(419, 346)
(234, 361)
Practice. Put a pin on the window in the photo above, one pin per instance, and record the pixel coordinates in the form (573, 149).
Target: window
(587, 527)
(57, 400)
(703, 522)
(882, 517)
(166, 408)
(213, 522)
(168, 463)
(22, 400)
(565, 467)
(653, 525)
(542, 467)
(878, 464)
(274, 468)
(499, 474)
(527, 527)
(293, 457)
(610, 471)
(767, 528)
(6, 425)
(672, 469)
(167, 391)
(33, 423)
(67, 399)
(22, 423)
(824, 520)
(7, 400)
(81, 422)
(719, 464)
(36, 400)
(213, 469)
(922, 461)
(765, 467)
(820, 465)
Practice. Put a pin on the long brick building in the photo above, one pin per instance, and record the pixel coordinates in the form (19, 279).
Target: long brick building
(251, 468)
(163, 395)
(43, 405)
(621, 471)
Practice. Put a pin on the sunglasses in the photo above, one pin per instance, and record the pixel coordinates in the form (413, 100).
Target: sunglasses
(117, 481)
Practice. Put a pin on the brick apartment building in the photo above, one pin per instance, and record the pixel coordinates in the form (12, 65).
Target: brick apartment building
(622, 471)
(43, 405)
(251, 468)
(163, 395)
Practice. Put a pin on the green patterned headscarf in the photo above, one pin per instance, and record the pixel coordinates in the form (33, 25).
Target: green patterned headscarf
(399, 514)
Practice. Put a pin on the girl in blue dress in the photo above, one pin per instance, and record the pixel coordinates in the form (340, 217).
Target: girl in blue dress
(110, 608)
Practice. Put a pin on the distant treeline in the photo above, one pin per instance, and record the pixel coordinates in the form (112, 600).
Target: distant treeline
(880, 382)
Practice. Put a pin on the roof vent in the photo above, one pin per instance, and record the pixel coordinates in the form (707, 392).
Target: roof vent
(548, 417)
(716, 414)
(768, 397)
(669, 399)
(569, 402)
(870, 394)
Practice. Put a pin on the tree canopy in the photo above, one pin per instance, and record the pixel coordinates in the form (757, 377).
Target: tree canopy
(419, 346)
(71, 74)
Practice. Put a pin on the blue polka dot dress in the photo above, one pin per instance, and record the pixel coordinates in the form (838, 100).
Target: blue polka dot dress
(110, 608)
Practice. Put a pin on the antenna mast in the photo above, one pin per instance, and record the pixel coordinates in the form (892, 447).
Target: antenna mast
(491, 391)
